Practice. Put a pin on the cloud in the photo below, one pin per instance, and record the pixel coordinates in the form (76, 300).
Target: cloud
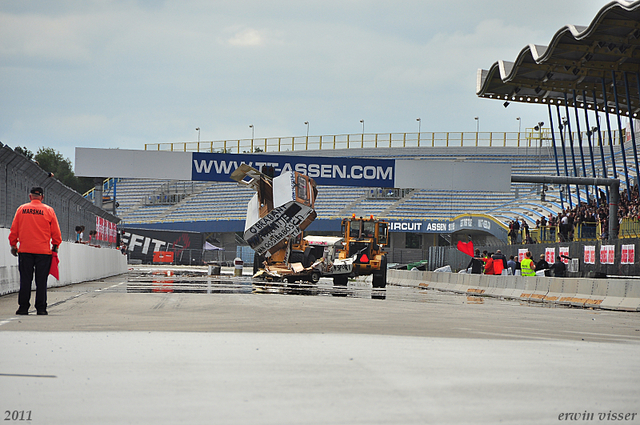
(247, 37)
(75, 73)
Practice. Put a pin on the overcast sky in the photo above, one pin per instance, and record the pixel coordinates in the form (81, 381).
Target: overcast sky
(125, 73)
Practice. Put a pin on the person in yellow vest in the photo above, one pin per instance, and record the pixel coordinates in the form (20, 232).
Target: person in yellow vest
(527, 266)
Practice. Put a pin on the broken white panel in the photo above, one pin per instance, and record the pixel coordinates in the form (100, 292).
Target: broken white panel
(253, 212)
(283, 189)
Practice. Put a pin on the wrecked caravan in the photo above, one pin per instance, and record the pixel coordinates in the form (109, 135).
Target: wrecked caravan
(281, 208)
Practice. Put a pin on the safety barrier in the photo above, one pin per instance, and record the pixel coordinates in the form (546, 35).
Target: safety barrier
(78, 263)
(609, 294)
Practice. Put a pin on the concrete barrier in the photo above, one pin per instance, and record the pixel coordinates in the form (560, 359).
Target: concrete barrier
(78, 263)
(612, 294)
(631, 299)
(615, 294)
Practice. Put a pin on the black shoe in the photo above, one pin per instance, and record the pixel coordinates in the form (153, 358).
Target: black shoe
(21, 312)
(42, 313)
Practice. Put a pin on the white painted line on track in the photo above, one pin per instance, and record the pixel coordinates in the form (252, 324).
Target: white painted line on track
(4, 322)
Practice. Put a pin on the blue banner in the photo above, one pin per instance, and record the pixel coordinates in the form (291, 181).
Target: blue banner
(334, 171)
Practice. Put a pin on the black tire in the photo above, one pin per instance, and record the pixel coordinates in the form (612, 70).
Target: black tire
(314, 277)
(340, 280)
(309, 260)
(380, 277)
(296, 257)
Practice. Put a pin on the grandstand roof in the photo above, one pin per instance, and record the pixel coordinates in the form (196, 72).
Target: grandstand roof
(584, 59)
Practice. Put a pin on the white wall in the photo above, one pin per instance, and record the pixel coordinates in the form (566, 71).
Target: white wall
(78, 263)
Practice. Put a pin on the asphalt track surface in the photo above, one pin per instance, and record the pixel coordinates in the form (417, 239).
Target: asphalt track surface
(151, 348)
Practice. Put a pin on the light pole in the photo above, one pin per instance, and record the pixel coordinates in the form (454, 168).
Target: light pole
(538, 128)
(477, 124)
(198, 130)
(419, 125)
(252, 132)
(307, 124)
(362, 121)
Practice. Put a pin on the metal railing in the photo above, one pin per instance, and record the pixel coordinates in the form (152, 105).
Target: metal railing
(552, 234)
(530, 138)
(629, 228)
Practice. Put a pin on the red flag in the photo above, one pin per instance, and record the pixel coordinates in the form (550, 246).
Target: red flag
(53, 270)
(466, 247)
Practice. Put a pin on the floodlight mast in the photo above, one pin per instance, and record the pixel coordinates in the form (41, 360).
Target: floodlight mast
(614, 197)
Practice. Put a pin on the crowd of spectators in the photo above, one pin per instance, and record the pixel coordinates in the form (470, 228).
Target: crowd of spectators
(593, 212)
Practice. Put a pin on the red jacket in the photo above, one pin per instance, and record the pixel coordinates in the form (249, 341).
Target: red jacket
(488, 266)
(35, 227)
(498, 266)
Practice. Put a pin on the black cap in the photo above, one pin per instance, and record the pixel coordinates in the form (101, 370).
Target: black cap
(37, 191)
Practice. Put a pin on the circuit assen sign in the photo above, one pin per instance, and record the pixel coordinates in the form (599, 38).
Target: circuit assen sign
(424, 226)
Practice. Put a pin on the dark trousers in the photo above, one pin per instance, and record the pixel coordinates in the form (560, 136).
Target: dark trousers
(27, 264)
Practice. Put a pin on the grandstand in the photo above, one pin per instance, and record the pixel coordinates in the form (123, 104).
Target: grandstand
(213, 201)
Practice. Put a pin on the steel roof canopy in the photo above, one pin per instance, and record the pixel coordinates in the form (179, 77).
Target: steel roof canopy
(577, 59)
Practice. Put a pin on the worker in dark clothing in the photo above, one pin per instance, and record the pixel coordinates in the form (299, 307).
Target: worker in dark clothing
(542, 263)
(476, 263)
(559, 268)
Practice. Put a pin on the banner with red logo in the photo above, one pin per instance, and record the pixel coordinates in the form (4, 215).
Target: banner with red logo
(589, 254)
(105, 230)
(564, 250)
(607, 254)
(628, 254)
(550, 255)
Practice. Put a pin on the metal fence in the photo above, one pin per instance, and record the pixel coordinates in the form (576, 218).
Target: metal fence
(19, 174)
(530, 138)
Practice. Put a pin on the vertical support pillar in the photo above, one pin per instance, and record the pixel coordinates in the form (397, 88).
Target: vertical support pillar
(606, 115)
(573, 154)
(600, 141)
(584, 165)
(97, 191)
(589, 134)
(633, 133)
(613, 211)
(564, 155)
(555, 151)
(622, 148)
(115, 182)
